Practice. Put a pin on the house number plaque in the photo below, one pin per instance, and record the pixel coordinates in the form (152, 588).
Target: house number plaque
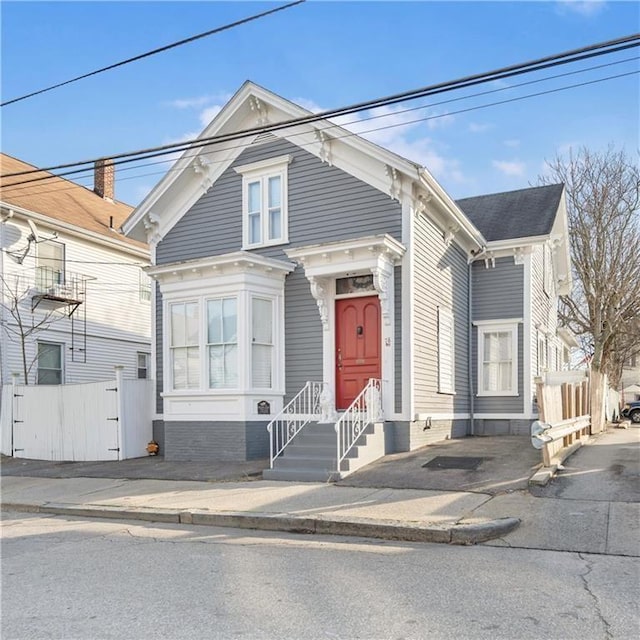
(264, 408)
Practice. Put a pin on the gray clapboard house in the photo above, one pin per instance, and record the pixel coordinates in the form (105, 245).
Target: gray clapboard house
(319, 285)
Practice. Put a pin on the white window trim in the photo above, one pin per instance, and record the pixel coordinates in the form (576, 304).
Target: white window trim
(494, 326)
(61, 345)
(237, 274)
(148, 364)
(262, 171)
(446, 386)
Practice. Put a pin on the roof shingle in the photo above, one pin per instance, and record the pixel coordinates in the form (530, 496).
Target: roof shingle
(63, 200)
(514, 214)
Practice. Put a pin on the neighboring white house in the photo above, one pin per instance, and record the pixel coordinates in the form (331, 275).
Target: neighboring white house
(67, 265)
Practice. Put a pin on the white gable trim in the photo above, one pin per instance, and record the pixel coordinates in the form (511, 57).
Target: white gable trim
(380, 168)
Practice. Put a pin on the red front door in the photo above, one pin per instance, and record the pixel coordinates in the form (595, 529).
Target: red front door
(357, 346)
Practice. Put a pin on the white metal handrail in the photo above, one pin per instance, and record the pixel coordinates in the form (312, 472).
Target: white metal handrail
(304, 407)
(364, 410)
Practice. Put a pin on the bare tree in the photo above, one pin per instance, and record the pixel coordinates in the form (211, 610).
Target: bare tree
(603, 193)
(23, 322)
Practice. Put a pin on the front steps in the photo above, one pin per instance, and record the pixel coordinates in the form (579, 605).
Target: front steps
(311, 456)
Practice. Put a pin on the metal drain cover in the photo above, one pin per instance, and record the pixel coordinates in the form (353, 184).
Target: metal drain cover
(454, 462)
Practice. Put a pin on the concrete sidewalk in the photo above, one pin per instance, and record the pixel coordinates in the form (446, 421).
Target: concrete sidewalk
(398, 514)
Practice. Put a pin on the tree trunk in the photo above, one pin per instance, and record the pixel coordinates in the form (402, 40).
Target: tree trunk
(597, 386)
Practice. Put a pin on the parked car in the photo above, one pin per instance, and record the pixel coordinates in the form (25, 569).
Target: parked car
(631, 410)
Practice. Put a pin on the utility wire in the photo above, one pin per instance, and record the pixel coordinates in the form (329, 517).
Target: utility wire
(604, 48)
(155, 51)
(401, 124)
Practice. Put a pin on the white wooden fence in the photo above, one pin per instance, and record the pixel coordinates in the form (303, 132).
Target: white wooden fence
(77, 422)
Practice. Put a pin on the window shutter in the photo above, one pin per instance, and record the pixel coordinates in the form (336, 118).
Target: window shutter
(446, 367)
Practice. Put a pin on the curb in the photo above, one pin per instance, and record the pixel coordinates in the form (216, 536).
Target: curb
(466, 534)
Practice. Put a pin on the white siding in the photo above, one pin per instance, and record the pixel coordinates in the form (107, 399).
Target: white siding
(118, 322)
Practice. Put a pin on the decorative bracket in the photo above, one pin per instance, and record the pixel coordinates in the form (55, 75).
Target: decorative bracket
(261, 110)
(518, 255)
(450, 233)
(420, 203)
(489, 260)
(325, 146)
(202, 166)
(382, 274)
(151, 224)
(394, 178)
(320, 292)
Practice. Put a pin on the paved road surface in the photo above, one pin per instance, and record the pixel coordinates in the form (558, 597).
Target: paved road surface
(65, 578)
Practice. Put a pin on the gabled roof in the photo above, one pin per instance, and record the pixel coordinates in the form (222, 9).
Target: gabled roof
(63, 201)
(253, 107)
(525, 213)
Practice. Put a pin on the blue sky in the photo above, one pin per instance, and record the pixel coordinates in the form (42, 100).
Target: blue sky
(321, 55)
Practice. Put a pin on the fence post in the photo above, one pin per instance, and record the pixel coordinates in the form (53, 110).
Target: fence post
(120, 408)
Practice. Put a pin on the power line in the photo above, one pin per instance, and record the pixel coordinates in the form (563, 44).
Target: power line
(404, 123)
(25, 184)
(575, 55)
(154, 52)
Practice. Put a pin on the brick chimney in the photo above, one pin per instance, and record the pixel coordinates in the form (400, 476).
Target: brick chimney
(104, 178)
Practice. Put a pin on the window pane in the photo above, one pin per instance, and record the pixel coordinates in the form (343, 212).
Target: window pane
(261, 366)
(223, 366)
(192, 323)
(254, 229)
(49, 356)
(275, 224)
(254, 197)
(177, 325)
(193, 368)
(48, 376)
(275, 192)
(230, 320)
(214, 334)
(262, 321)
(179, 366)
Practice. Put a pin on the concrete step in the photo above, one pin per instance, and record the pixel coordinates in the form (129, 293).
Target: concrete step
(305, 462)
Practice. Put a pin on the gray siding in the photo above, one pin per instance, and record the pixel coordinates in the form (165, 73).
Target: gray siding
(303, 334)
(441, 280)
(498, 293)
(324, 204)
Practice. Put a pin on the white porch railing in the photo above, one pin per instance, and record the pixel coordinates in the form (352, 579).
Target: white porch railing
(304, 407)
(364, 410)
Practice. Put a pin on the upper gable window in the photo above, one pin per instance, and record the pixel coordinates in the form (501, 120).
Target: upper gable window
(264, 202)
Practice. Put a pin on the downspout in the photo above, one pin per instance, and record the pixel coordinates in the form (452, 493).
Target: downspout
(470, 261)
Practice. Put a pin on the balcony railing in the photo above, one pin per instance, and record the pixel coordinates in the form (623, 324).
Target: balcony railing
(54, 284)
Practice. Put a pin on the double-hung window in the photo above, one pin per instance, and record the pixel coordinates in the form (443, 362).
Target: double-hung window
(184, 346)
(49, 363)
(498, 360)
(222, 343)
(262, 343)
(264, 202)
(50, 264)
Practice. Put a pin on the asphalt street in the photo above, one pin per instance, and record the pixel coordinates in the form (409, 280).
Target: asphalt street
(82, 578)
